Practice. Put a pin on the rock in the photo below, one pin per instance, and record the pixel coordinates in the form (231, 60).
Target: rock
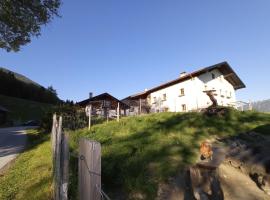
(235, 162)
(265, 186)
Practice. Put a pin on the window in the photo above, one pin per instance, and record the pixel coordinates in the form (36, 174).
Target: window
(164, 98)
(182, 92)
(184, 107)
(213, 75)
(229, 95)
(154, 99)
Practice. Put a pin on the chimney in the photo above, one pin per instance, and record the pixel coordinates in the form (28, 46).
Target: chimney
(145, 89)
(90, 95)
(183, 74)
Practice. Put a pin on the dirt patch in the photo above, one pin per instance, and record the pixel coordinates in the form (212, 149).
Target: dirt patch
(236, 185)
(239, 169)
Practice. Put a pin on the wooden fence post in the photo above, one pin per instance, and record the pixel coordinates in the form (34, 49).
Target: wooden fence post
(64, 167)
(89, 170)
(60, 159)
(53, 137)
(118, 111)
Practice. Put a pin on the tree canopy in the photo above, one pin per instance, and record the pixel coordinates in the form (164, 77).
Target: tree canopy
(22, 19)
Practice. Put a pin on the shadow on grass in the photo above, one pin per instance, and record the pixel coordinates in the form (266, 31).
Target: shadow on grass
(37, 136)
(155, 147)
(264, 129)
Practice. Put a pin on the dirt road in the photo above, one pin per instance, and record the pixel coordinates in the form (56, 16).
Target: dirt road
(12, 141)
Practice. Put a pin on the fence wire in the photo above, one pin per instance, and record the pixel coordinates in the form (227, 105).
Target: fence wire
(103, 195)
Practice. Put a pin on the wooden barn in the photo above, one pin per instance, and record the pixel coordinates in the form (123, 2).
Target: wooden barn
(104, 105)
(3, 115)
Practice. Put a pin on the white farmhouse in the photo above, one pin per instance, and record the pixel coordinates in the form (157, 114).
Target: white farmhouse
(189, 91)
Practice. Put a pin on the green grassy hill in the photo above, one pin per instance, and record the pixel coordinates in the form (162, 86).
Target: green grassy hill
(139, 153)
(22, 110)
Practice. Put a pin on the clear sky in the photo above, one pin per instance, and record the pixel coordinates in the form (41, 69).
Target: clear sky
(125, 46)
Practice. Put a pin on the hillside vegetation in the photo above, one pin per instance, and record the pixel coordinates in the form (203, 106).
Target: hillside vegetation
(16, 85)
(21, 110)
(140, 153)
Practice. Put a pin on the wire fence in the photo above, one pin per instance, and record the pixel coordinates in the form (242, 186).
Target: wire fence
(103, 195)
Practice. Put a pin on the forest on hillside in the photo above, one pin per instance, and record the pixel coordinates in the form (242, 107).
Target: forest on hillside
(11, 86)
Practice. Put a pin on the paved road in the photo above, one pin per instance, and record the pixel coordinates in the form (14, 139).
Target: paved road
(12, 141)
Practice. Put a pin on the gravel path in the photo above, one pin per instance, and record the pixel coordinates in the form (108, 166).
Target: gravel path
(12, 142)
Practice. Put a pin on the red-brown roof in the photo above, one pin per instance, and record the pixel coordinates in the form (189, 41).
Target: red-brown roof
(224, 68)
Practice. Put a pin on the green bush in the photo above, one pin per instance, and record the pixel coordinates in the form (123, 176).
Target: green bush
(74, 117)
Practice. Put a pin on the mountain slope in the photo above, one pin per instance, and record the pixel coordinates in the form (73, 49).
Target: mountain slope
(16, 85)
(20, 77)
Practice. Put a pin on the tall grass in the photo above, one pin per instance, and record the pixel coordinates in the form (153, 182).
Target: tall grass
(138, 153)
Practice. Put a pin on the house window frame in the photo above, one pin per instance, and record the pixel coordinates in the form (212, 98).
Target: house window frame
(154, 100)
(182, 92)
(184, 107)
(164, 97)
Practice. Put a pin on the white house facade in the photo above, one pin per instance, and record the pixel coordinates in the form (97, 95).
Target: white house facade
(189, 91)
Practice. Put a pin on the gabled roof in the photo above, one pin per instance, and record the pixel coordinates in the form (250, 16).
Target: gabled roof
(104, 96)
(228, 73)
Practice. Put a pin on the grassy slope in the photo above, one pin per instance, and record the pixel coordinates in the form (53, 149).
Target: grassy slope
(22, 110)
(20, 76)
(30, 176)
(140, 152)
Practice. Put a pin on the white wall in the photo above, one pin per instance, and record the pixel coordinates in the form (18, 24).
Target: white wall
(194, 97)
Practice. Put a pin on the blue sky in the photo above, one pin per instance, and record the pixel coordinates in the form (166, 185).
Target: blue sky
(125, 46)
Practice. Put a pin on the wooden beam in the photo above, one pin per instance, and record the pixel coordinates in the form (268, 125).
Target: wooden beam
(228, 75)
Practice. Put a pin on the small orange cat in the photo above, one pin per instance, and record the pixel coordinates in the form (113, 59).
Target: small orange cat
(206, 150)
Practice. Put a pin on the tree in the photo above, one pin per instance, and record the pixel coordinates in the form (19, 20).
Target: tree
(52, 90)
(22, 19)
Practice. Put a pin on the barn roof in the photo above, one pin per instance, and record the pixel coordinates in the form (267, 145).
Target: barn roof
(228, 73)
(104, 96)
